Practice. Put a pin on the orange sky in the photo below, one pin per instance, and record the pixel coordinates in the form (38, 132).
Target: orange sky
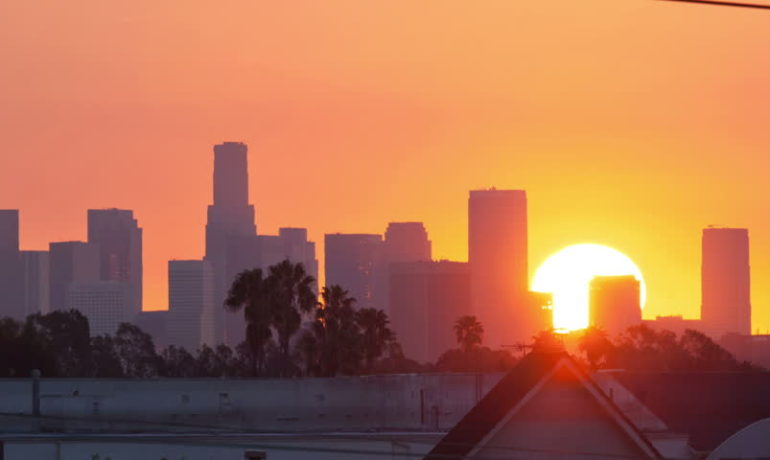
(631, 123)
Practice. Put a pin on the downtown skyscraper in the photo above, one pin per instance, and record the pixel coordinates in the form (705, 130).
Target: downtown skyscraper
(10, 265)
(497, 254)
(117, 234)
(354, 261)
(230, 217)
(726, 282)
(191, 304)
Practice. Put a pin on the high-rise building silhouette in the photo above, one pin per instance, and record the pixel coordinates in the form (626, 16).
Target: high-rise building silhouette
(426, 298)
(230, 218)
(403, 242)
(726, 281)
(615, 303)
(106, 304)
(10, 265)
(406, 242)
(35, 278)
(191, 315)
(70, 262)
(120, 250)
(497, 253)
(9, 230)
(354, 262)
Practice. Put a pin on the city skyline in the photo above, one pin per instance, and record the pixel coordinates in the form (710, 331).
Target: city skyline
(237, 192)
(599, 159)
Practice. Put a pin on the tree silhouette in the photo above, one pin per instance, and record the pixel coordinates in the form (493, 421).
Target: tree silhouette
(65, 334)
(336, 333)
(136, 351)
(105, 361)
(596, 346)
(469, 332)
(177, 362)
(290, 292)
(376, 334)
(248, 292)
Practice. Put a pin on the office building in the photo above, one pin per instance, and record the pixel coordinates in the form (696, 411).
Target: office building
(10, 265)
(191, 315)
(354, 262)
(70, 262)
(9, 230)
(120, 249)
(403, 242)
(106, 304)
(426, 299)
(406, 242)
(725, 282)
(673, 323)
(497, 253)
(614, 303)
(35, 279)
(230, 217)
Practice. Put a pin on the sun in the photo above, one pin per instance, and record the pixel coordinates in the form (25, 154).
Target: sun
(566, 276)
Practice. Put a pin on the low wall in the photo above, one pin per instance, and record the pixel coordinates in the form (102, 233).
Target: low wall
(381, 402)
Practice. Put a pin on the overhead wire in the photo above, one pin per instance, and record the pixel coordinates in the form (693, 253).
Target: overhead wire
(724, 3)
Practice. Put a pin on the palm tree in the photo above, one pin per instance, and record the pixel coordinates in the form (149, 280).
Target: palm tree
(376, 334)
(337, 333)
(469, 332)
(248, 292)
(290, 290)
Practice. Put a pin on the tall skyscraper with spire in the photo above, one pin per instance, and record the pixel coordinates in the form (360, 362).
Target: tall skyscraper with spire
(229, 218)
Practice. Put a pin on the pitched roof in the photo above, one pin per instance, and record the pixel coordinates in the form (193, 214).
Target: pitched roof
(503, 398)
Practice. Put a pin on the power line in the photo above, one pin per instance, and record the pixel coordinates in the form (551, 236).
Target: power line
(724, 3)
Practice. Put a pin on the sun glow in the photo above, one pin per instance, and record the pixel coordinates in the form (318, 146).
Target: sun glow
(566, 276)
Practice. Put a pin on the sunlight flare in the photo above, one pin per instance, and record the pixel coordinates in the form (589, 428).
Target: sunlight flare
(566, 276)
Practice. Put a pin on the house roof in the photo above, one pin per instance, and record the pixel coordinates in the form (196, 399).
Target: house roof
(709, 406)
(472, 430)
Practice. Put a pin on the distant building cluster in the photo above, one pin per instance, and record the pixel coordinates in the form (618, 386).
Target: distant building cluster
(101, 277)
(394, 272)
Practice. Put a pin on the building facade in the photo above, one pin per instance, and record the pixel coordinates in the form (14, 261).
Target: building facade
(615, 303)
(726, 281)
(106, 304)
(497, 254)
(10, 265)
(70, 262)
(407, 242)
(191, 316)
(354, 261)
(426, 298)
(35, 278)
(119, 237)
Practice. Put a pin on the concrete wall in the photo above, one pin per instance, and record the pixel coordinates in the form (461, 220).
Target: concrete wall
(402, 402)
(286, 447)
